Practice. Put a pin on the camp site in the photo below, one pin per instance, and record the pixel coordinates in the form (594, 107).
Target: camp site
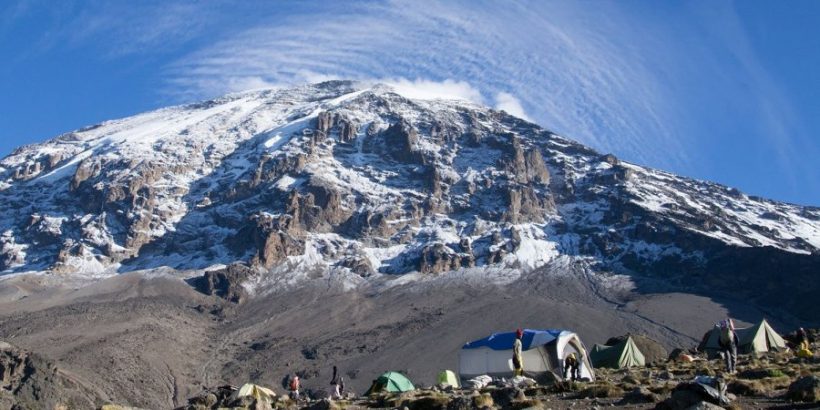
(615, 372)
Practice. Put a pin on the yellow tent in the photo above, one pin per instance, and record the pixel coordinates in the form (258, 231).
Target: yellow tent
(255, 391)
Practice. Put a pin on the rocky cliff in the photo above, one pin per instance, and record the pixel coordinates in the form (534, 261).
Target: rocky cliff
(342, 178)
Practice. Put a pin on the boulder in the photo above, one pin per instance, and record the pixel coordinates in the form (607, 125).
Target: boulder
(460, 403)
(806, 389)
(505, 396)
(639, 395)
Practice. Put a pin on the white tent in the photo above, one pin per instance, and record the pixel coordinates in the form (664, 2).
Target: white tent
(542, 351)
(256, 391)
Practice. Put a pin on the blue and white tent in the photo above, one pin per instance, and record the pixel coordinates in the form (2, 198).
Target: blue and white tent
(542, 351)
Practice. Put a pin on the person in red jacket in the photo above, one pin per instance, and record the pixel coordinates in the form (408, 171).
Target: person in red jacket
(294, 386)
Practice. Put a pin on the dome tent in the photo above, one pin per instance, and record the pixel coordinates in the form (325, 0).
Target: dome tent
(449, 378)
(391, 382)
(543, 351)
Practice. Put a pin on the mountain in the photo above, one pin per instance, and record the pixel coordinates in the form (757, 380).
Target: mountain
(286, 231)
(358, 183)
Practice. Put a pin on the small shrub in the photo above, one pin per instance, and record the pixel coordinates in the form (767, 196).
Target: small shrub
(775, 373)
(746, 387)
(483, 400)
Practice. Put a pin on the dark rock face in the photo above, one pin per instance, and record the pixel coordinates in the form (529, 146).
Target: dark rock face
(328, 123)
(29, 381)
(400, 140)
(225, 283)
(526, 204)
(437, 258)
(275, 239)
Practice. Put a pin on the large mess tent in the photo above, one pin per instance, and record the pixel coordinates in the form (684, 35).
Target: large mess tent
(542, 351)
(622, 355)
(758, 338)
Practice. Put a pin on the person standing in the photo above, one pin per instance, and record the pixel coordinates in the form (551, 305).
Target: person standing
(335, 385)
(728, 344)
(518, 363)
(802, 339)
(293, 386)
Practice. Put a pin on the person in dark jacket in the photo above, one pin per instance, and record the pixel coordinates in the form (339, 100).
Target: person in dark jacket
(802, 338)
(728, 344)
(336, 385)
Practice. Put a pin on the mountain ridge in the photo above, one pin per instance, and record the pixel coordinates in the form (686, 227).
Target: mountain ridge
(356, 180)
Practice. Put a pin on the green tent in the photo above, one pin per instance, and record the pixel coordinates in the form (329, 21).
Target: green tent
(758, 338)
(448, 377)
(621, 355)
(391, 382)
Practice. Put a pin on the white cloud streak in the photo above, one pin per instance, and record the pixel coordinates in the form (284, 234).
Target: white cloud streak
(562, 72)
(650, 87)
(510, 104)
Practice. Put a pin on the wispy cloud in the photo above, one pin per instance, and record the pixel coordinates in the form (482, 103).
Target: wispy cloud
(511, 104)
(653, 83)
(561, 70)
(115, 28)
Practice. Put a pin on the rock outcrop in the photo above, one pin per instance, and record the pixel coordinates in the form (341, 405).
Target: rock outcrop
(225, 283)
(28, 381)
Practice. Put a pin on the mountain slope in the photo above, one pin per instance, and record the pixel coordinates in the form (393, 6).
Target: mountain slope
(356, 181)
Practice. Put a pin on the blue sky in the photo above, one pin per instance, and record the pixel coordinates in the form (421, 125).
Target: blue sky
(717, 90)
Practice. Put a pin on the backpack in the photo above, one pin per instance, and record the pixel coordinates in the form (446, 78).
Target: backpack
(727, 337)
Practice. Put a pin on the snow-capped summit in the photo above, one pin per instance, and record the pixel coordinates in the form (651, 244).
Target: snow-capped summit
(357, 179)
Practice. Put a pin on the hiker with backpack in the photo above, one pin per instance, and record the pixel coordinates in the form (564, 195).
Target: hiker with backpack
(728, 344)
(518, 363)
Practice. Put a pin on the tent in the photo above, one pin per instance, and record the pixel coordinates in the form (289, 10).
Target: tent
(619, 356)
(391, 382)
(255, 391)
(759, 338)
(447, 377)
(543, 351)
